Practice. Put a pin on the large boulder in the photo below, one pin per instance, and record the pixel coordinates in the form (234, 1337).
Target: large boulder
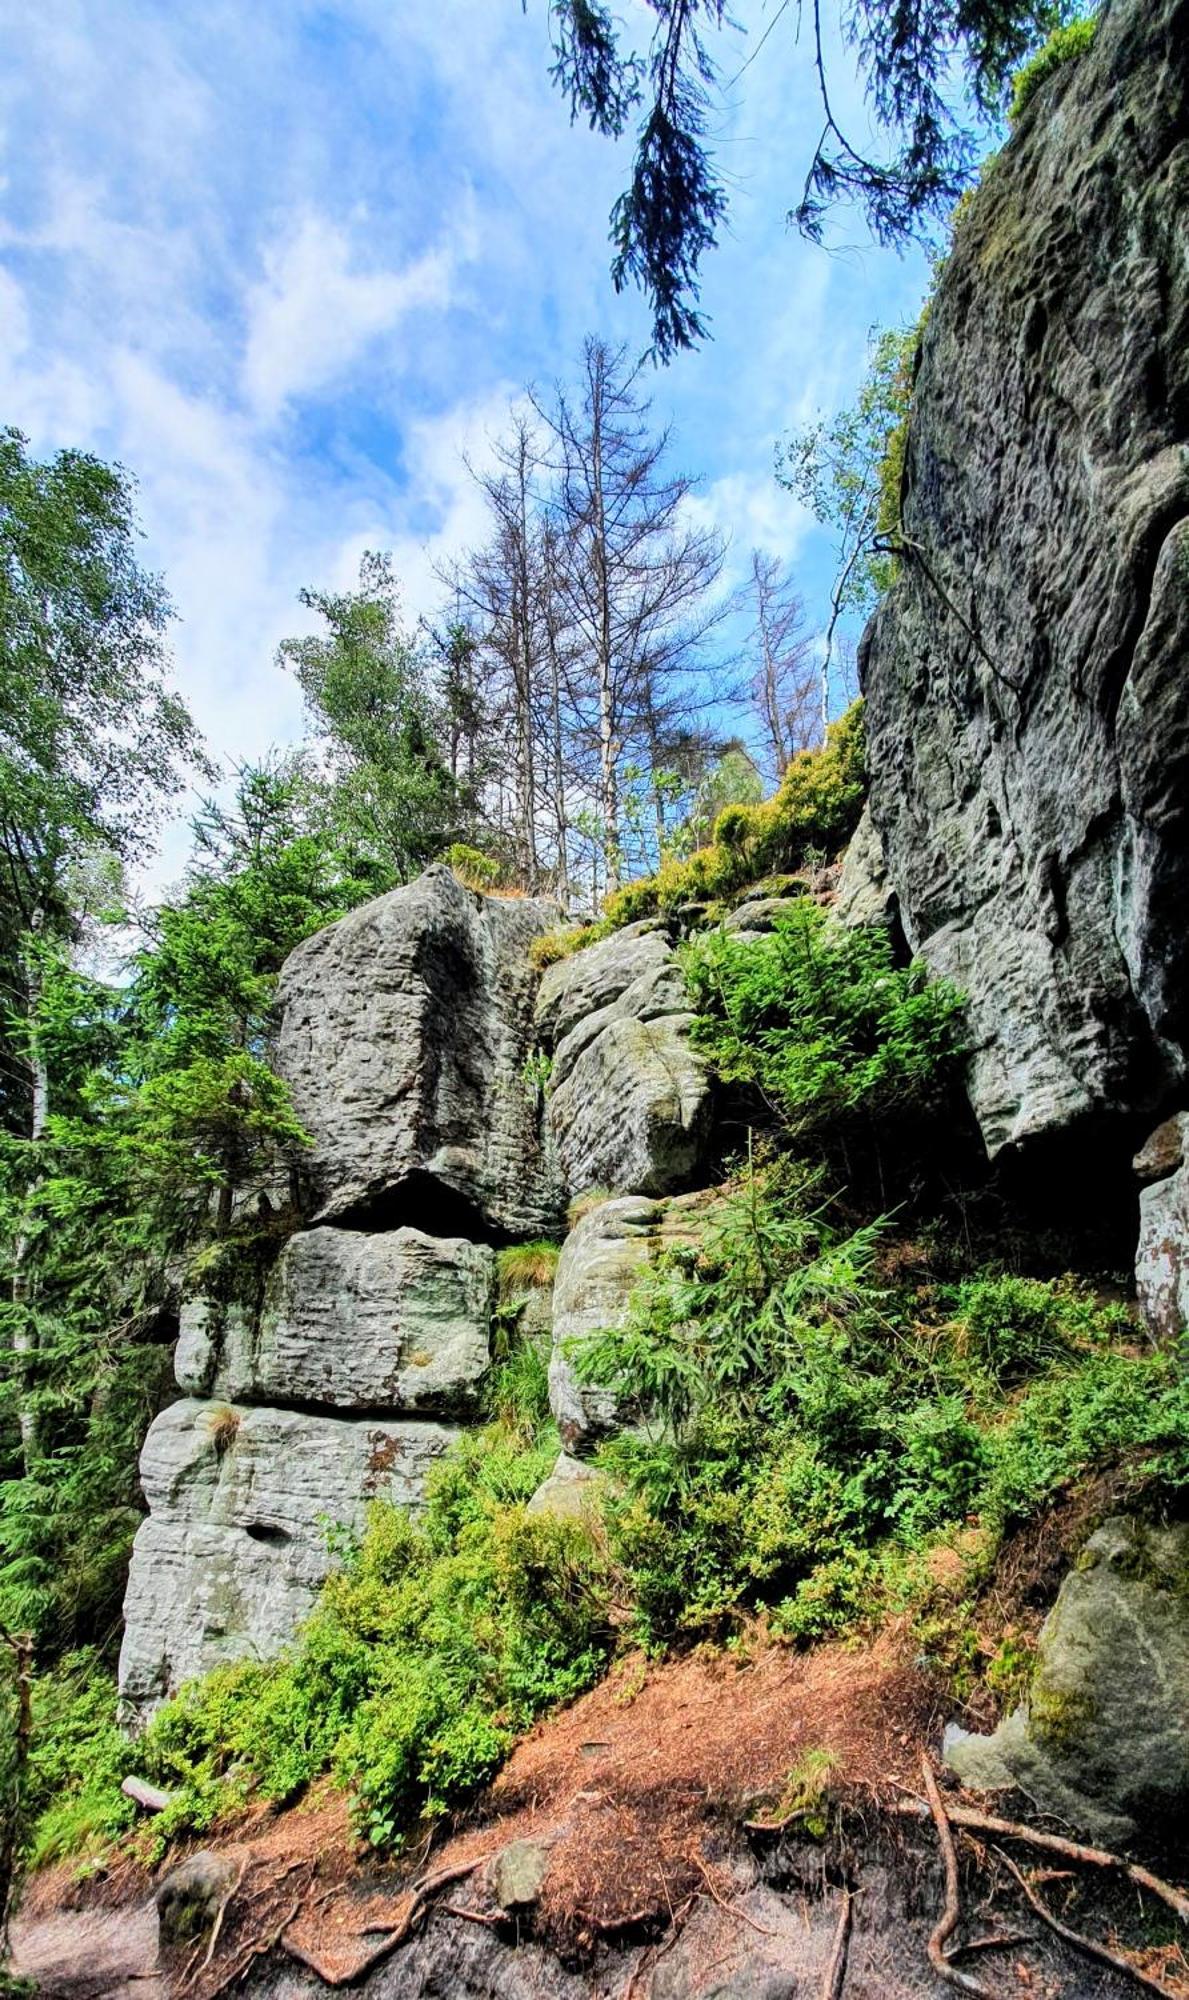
(629, 1098)
(1103, 1740)
(403, 1035)
(395, 1321)
(603, 1260)
(1026, 679)
(237, 1544)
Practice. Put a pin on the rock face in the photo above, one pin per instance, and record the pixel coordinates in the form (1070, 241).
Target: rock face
(603, 1259)
(404, 1030)
(1162, 1260)
(629, 1099)
(235, 1548)
(1026, 683)
(1104, 1738)
(399, 1320)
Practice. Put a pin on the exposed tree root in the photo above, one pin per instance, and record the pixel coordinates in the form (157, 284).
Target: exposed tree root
(947, 1922)
(1052, 1843)
(1089, 1946)
(834, 1976)
(423, 1891)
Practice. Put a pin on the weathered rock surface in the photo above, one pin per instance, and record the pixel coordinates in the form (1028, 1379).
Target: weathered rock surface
(571, 1491)
(602, 1260)
(188, 1899)
(1104, 1737)
(399, 1321)
(1027, 694)
(235, 1550)
(865, 895)
(1162, 1258)
(403, 1035)
(629, 1099)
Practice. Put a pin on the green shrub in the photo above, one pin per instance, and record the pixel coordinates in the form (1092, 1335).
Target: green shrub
(428, 1653)
(1013, 1326)
(474, 869)
(78, 1760)
(807, 1429)
(1064, 45)
(818, 1020)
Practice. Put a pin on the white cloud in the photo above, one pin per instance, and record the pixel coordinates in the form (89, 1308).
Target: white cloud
(315, 312)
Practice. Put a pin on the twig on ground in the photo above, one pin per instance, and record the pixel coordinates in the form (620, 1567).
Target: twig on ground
(492, 1920)
(730, 1908)
(221, 1912)
(947, 1922)
(1052, 1843)
(1090, 1946)
(834, 1976)
(652, 1954)
(997, 1941)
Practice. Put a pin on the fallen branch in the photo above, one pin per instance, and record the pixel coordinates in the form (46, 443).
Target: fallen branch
(475, 1916)
(834, 1976)
(221, 1912)
(393, 1939)
(1089, 1946)
(150, 1798)
(1052, 1843)
(947, 1922)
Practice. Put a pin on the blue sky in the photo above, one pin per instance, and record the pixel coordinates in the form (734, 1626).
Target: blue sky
(287, 261)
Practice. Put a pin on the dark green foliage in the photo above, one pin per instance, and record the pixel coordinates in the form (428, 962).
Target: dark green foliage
(390, 803)
(836, 1041)
(909, 54)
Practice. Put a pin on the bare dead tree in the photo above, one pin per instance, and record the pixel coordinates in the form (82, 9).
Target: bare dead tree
(783, 684)
(638, 578)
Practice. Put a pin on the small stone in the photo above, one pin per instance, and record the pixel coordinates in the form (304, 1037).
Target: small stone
(1164, 1150)
(188, 1899)
(516, 1875)
(570, 1493)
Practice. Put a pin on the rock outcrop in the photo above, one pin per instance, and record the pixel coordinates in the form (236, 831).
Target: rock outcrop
(629, 1098)
(237, 1546)
(404, 1031)
(602, 1261)
(398, 1321)
(1027, 693)
(1103, 1739)
(407, 1035)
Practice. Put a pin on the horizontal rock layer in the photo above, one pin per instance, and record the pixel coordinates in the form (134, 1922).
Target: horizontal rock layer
(398, 1320)
(1027, 696)
(241, 1506)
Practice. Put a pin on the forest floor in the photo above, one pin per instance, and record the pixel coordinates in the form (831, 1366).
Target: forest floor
(635, 1799)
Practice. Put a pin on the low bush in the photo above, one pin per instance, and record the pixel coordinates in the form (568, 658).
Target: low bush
(825, 1030)
(811, 1429)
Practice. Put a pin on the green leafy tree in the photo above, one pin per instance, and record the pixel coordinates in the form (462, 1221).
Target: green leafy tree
(91, 743)
(391, 798)
(847, 471)
(910, 55)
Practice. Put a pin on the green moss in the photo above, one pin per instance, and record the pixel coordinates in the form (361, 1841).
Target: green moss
(1063, 46)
